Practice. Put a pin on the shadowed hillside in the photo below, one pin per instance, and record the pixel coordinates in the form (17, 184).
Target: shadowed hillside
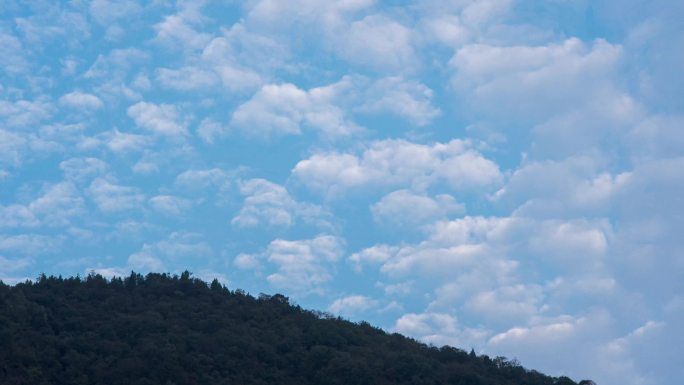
(163, 329)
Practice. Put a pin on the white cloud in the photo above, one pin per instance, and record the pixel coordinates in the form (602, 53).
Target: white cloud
(175, 31)
(145, 261)
(176, 249)
(439, 329)
(377, 254)
(303, 265)
(246, 261)
(24, 113)
(8, 265)
(553, 188)
(12, 147)
(203, 180)
(121, 142)
(400, 163)
(243, 59)
(12, 56)
(658, 136)
(408, 99)
(378, 42)
(57, 206)
(162, 119)
(209, 130)
(187, 78)
(285, 109)
(275, 13)
(30, 244)
(507, 305)
(80, 169)
(269, 203)
(170, 205)
(352, 305)
(180, 246)
(489, 269)
(114, 66)
(106, 12)
(558, 337)
(445, 29)
(80, 100)
(404, 207)
(523, 82)
(110, 197)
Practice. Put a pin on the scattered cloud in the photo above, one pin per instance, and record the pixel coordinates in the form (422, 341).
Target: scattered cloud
(396, 162)
(352, 305)
(267, 203)
(81, 101)
(162, 119)
(303, 265)
(404, 207)
(111, 197)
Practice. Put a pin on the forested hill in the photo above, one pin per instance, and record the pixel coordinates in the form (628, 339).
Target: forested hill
(163, 329)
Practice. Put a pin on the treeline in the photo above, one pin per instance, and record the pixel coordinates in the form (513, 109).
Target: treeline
(169, 329)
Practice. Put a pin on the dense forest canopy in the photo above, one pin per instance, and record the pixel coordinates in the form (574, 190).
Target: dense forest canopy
(169, 329)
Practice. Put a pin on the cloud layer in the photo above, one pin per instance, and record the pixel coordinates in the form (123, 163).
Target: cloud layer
(483, 173)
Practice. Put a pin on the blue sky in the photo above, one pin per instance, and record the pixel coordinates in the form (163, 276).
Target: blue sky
(504, 175)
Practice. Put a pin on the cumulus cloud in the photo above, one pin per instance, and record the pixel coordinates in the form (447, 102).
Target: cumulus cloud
(180, 245)
(122, 142)
(377, 254)
(23, 113)
(171, 253)
(378, 42)
(106, 12)
(284, 109)
(579, 184)
(187, 78)
(439, 329)
(397, 162)
(203, 181)
(12, 147)
(518, 86)
(170, 205)
(30, 244)
(209, 130)
(178, 31)
(80, 169)
(408, 99)
(303, 265)
(81, 100)
(271, 204)
(275, 13)
(352, 305)
(573, 236)
(57, 206)
(242, 59)
(145, 261)
(115, 65)
(404, 207)
(12, 56)
(246, 261)
(8, 265)
(111, 197)
(162, 119)
(486, 268)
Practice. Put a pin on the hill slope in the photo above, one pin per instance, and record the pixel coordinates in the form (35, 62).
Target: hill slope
(162, 329)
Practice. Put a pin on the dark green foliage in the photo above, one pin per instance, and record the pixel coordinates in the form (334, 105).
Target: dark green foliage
(162, 329)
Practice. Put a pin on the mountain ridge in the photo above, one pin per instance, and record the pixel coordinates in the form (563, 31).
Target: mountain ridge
(170, 329)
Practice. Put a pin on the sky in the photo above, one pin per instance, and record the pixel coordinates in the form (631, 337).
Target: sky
(502, 175)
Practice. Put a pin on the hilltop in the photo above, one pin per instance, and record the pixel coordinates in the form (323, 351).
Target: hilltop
(169, 329)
